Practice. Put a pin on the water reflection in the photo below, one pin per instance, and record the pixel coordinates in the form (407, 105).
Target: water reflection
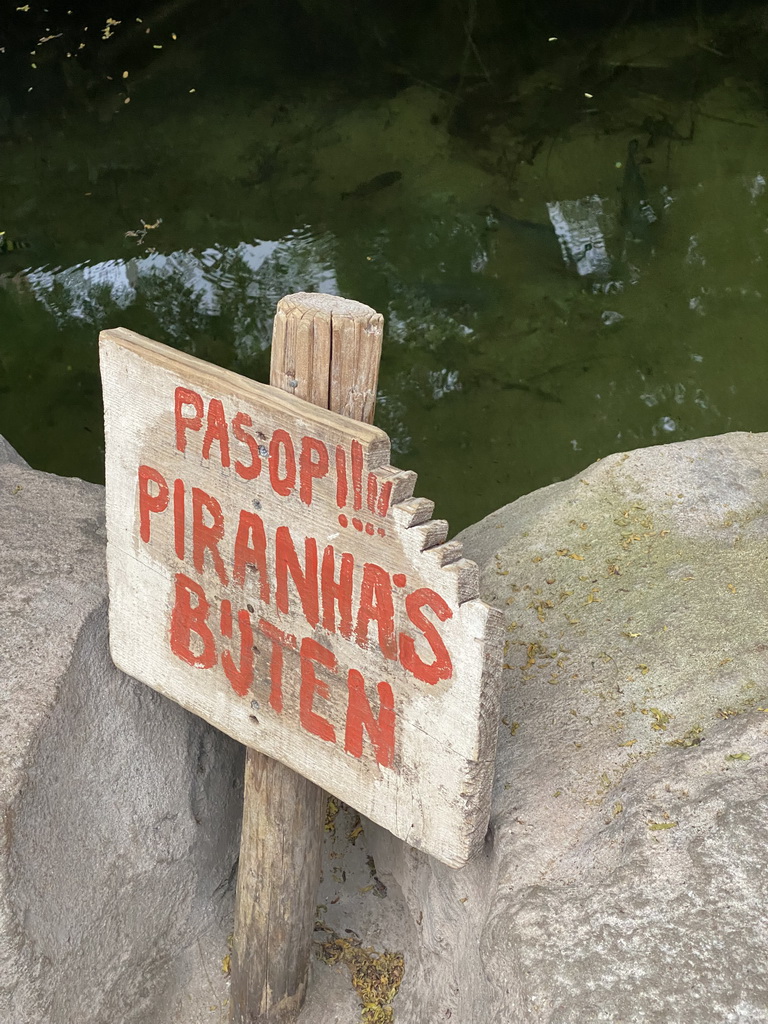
(184, 289)
(560, 278)
(579, 226)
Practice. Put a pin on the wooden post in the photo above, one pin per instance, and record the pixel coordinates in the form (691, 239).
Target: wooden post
(325, 350)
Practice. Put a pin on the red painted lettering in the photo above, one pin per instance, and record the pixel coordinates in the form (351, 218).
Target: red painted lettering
(279, 641)
(341, 477)
(149, 503)
(309, 652)
(184, 423)
(357, 474)
(206, 537)
(216, 430)
(376, 605)
(360, 716)
(334, 592)
(311, 468)
(385, 494)
(187, 619)
(373, 491)
(287, 563)
(178, 518)
(441, 667)
(281, 450)
(251, 471)
(240, 676)
(251, 549)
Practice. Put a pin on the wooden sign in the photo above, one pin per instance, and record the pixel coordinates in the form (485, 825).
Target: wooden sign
(271, 572)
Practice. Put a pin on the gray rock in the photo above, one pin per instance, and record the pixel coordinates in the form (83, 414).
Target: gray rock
(623, 876)
(121, 811)
(630, 804)
(622, 879)
(9, 454)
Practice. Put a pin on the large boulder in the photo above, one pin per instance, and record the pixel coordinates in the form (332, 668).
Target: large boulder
(623, 878)
(120, 810)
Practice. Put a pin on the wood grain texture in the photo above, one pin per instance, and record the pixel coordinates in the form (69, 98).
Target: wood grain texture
(327, 350)
(284, 813)
(435, 791)
(278, 875)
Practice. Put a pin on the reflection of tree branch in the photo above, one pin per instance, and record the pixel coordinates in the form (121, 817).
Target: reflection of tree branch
(469, 48)
(558, 367)
(728, 120)
(629, 10)
(485, 379)
(398, 69)
(469, 25)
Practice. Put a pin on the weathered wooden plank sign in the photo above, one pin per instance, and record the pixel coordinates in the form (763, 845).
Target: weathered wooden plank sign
(270, 571)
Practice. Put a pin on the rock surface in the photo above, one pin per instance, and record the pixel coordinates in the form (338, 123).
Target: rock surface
(623, 875)
(121, 811)
(622, 879)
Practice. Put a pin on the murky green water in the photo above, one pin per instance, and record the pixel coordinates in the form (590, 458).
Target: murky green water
(551, 293)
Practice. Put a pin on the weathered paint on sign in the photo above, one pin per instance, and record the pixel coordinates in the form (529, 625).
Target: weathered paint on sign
(271, 572)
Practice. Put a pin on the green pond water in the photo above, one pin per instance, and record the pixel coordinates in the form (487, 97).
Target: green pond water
(568, 268)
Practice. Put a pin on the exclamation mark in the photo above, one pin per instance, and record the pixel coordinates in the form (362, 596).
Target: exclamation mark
(373, 491)
(341, 477)
(377, 499)
(384, 499)
(357, 475)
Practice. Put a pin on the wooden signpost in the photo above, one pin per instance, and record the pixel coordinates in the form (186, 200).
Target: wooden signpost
(270, 571)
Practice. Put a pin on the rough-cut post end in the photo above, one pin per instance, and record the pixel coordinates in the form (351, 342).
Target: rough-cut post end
(326, 350)
(320, 303)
